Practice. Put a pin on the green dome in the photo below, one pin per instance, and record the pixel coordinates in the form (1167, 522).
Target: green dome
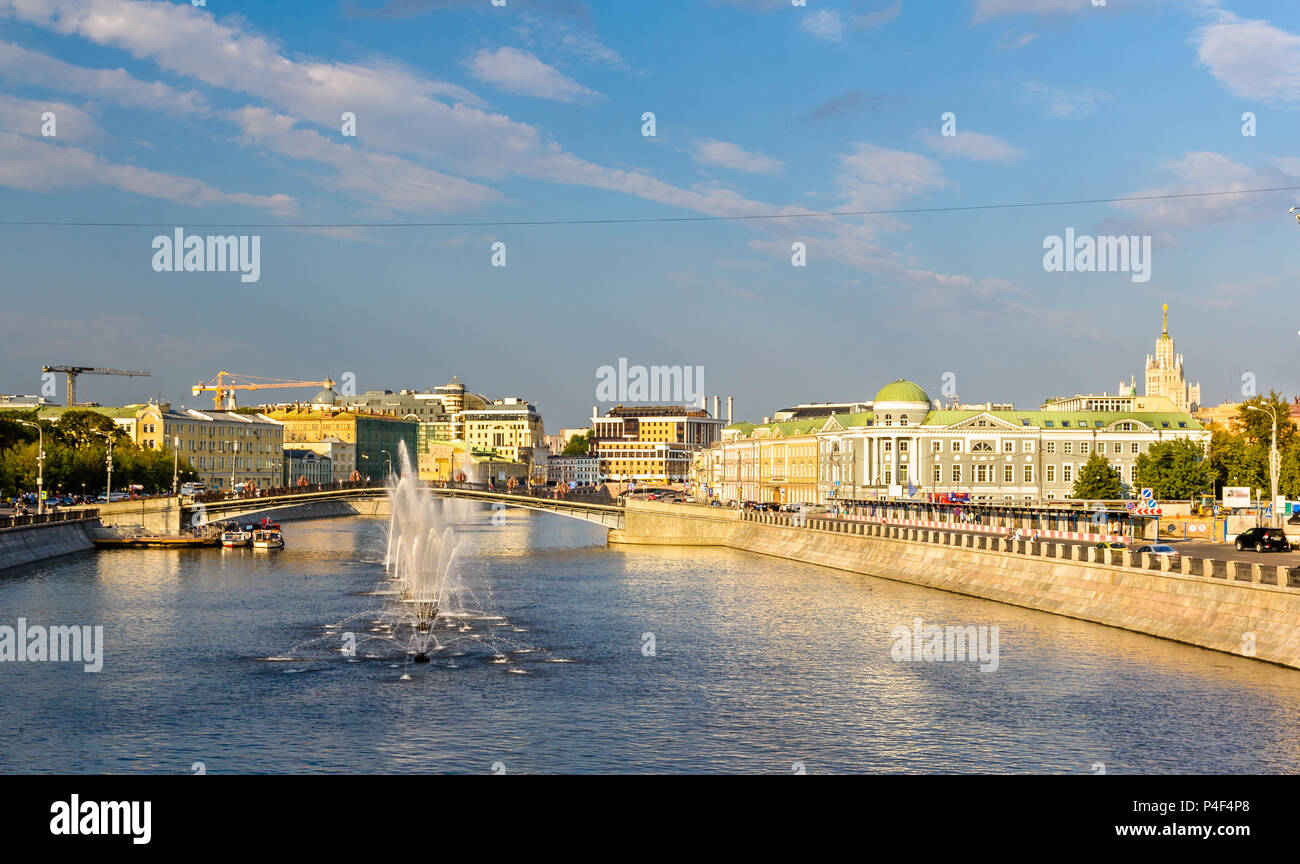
(902, 391)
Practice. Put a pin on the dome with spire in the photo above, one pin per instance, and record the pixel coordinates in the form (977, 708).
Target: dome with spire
(900, 403)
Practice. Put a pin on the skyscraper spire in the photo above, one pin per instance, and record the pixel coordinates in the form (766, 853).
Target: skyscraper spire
(1164, 326)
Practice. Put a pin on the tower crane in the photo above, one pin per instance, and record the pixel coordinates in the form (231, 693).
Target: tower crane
(73, 371)
(224, 385)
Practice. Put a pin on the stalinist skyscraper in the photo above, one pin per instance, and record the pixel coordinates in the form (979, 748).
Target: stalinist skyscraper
(1164, 373)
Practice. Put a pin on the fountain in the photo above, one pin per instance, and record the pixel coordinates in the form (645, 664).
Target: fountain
(420, 559)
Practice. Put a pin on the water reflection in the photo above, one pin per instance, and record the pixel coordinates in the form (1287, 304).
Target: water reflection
(758, 663)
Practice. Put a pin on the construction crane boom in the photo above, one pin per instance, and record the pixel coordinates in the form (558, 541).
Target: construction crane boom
(73, 371)
(226, 383)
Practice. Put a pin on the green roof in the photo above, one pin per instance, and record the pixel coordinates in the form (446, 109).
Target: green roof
(902, 391)
(787, 429)
(122, 412)
(1071, 419)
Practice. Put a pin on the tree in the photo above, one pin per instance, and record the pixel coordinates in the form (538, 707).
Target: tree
(79, 427)
(1175, 470)
(578, 445)
(1235, 461)
(1098, 480)
(1257, 426)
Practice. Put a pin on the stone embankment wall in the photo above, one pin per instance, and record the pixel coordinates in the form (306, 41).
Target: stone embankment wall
(1243, 609)
(27, 544)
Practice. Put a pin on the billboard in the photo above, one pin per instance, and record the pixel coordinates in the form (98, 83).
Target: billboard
(1236, 496)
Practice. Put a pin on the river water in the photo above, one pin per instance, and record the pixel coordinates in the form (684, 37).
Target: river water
(590, 658)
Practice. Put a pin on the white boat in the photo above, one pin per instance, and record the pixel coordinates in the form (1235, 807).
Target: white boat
(235, 539)
(268, 538)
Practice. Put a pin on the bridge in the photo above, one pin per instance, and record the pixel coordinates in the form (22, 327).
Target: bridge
(172, 515)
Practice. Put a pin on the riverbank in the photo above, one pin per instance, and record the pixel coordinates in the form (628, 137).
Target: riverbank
(1250, 610)
(27, 544)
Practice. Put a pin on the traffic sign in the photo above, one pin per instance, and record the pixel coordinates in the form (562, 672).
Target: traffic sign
(1146, 511)
(1148, 493)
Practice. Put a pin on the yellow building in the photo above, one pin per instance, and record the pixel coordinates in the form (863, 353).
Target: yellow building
(509, 428)
(775, 462)
(225, 448)
(651, 444)
(377, 438)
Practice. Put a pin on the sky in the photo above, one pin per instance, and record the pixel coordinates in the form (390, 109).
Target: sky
(524, 125)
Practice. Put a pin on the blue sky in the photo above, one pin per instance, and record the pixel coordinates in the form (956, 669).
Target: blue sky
(229, 115)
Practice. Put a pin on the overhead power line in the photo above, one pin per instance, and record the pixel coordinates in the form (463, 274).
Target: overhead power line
(644, 220)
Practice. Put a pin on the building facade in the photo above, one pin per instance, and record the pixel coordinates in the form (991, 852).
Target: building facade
(582, 470)
(510, 428)
(306, 466)
(1164, 373)
(377, 438)
(907, 449)
(226, 448)
(651, 444)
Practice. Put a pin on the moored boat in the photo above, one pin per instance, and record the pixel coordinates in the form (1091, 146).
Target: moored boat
(268, 538)
(236, 538)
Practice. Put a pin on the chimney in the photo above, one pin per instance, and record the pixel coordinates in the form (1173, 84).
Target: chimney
(730, 399)
(717, 406)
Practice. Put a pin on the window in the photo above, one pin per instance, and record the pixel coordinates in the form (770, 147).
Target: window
(889, 419)
(889, 446)
(1008, 446)
(1049, 446)
(1008, 474)
(981, 447)
(1083, 448)
(902, 473)
(1029, 446)
(938, 445)
(1051, 473)
(1029, 473)
(1101, 447)
(1133, 448)
(888, 476)
(981, 473)
(902, 419)
(1067, 473)
(1069, 447)
(956, 446)
(956, 473)
(938, 474)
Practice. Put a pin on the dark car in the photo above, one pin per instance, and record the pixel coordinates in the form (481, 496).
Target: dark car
(1263, 540)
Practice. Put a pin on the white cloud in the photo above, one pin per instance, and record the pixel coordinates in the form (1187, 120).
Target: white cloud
(1066, 102)
(388, 180)
(824, 24)
(876, 178)
(986, 9)
(23, 116)
(520, 72)
(971, 145)
(42, 166)
(1253, 59)
(724, 154)
(1203, 172)
(24, 66)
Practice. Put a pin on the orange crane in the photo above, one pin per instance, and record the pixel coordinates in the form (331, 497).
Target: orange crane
(226, 383)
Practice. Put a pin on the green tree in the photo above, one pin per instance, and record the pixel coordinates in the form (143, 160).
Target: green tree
(1257, 426)
(1235, 461)
(1175, 470)
(1098, 480)
(579, 445)
(80, 427)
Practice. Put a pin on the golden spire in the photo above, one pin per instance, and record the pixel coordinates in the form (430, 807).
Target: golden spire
(1164, 327)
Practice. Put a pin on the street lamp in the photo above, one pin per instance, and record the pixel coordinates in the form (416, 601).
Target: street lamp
(176, 465)
(108, 492)
(40, 466)
(388, 461)
(1272, 460)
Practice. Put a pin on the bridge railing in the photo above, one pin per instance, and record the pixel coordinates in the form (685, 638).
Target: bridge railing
(44, 518)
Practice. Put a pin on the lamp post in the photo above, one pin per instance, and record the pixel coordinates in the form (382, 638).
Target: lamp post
(1272, 461)
(40, 466)
(176, 465)
(108, 491)
(388, 461)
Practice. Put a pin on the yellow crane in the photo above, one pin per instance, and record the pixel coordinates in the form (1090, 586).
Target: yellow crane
(226, 383)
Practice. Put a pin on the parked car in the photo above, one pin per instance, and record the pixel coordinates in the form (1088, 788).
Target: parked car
(1263, 540)
(1160, 550)
(1111, 545)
